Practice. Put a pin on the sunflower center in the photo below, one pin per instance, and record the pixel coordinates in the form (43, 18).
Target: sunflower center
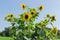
(53, 18)
(32, 13)
(41, 8)
(54, 31)
(26, 16)
(11, 15)
(23, 6)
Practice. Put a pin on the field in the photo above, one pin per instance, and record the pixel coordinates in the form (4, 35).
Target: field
(6, 38)
(9, 38)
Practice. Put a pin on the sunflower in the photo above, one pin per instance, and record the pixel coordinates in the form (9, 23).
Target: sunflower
(10, 15)
(41, 7)
(23, 6)
(54, 30)
(48, 15)
(26, 16)
(53, 18)
(32, 12)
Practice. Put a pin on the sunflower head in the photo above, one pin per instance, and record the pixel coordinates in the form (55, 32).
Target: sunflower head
(48, 15)
(54, 30)
(10, 15)
(41, 7)
(23, 6)
(26, 16)
(32, 12)
(53, 18)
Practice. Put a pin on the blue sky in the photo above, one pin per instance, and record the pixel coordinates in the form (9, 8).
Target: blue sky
(13, 6)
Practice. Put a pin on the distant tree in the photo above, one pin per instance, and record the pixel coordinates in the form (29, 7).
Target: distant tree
(6, 32)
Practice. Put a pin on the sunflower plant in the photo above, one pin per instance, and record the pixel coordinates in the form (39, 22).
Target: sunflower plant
(25, 28)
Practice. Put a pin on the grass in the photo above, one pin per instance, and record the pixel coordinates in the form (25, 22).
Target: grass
(9, 38)
(6, 38)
